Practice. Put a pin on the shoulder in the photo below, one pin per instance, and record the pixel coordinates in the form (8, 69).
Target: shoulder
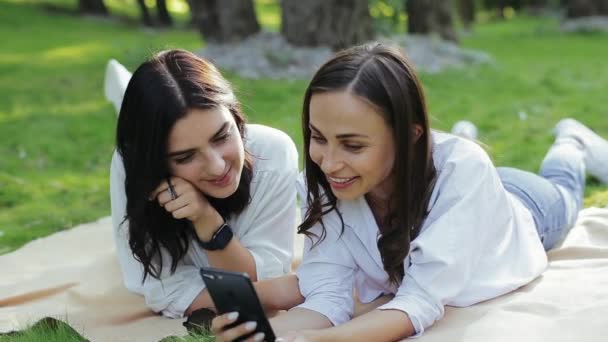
(117, 168)
(451, 152)
(270, 148)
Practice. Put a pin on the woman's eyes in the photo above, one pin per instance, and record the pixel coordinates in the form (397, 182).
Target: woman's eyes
(318, 138)
(353, 148)
(223, 137)
(184, 160)
(350, 147)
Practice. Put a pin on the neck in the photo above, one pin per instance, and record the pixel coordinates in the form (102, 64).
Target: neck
(379, 207)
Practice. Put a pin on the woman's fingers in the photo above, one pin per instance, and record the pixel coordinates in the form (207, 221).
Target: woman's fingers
(259, 337)
(219, 323)
(236, 332)
(167, 192)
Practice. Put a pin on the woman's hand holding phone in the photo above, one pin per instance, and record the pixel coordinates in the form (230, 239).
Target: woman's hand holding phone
(183, 200)
(220, 323)
(220, 327)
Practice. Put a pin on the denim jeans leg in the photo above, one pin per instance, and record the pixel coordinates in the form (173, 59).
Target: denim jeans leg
(542, 198)
(564, 165)
(555, 197)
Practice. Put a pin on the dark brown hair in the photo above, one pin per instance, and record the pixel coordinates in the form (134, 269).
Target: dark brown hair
(383, 76)
(162, 91)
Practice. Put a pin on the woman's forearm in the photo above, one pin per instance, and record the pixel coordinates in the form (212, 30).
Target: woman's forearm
(203, 300)
(275, 294)
(282, 293)
(299, 319)
(361, 309)
(235, 258)
(377, 325)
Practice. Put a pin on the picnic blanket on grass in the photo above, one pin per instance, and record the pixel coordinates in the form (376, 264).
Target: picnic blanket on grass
(74, 276)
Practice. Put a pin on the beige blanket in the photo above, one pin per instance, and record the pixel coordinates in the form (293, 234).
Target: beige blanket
(74, 276)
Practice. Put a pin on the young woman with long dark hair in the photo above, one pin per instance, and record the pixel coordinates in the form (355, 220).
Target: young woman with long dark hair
(412, 219)
(193, 185)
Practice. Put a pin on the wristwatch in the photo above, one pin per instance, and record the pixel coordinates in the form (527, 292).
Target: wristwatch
(219, 240)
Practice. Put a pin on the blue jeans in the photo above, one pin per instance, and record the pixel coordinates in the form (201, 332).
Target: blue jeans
(556, 195)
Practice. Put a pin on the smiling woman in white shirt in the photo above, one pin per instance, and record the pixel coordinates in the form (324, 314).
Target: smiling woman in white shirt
(193, 185)
(412, 219)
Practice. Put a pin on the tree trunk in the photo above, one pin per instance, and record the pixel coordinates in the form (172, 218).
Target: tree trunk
(225, 20)
(145, 14)
(536, 7)
(196, 10)
(466, 9)
(444, 21)
(96, 7)
(336, 23)
(431, 16)
(163, 14)
(602, 6)
(585, 8)
(419, 16)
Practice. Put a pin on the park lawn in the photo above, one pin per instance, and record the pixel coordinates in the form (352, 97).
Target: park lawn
(57, 129)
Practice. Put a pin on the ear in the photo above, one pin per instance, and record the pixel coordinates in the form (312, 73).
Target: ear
(417, 132)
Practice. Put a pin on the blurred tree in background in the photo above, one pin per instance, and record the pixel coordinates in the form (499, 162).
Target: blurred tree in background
(96, 7)
(336, 23)
(340, 23)
(431, 16)
(225, 20)
(585, 8)
(466, 10)
(164, 19)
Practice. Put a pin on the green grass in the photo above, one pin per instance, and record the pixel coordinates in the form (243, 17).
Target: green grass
(45, 330)
(57, 129)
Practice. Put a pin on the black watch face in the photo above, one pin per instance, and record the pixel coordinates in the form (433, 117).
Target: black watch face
(220, 240)
(223, 237)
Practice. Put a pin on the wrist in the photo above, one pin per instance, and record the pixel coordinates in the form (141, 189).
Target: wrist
(220, 239)
(208, 225)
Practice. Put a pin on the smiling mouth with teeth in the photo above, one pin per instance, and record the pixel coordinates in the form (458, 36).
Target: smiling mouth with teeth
(340, 180)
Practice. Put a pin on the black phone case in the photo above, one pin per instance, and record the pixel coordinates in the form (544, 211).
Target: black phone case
(231, 291)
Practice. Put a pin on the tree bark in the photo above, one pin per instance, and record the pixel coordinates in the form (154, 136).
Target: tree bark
(225, 20)
(145, 14)
(335, 23)
(96, 7)
(164, 18)
(466, 9)
(196, 10)
(585, 8)
(419, 16)
(444, 21)
(431, 16)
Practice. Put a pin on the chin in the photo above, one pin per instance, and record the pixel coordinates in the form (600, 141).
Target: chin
(347, 195)
(224, 193)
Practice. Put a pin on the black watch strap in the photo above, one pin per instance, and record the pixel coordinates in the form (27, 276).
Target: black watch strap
(219, 240)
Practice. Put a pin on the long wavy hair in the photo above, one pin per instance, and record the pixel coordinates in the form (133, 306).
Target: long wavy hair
(162, 91)
(385, 77)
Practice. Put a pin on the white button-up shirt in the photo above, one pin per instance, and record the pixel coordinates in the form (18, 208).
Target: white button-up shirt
(265, 227)
(478, 242)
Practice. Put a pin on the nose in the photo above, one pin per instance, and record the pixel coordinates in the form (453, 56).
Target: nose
(215, 165)
(330, 162)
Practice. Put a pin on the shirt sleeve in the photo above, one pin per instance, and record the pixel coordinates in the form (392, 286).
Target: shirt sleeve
(444, 255)
(173, 293)
(270, 234)
(326, 274)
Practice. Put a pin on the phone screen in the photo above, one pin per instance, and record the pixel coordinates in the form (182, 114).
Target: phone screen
(232, 291)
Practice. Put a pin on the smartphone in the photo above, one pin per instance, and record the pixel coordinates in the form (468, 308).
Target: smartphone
(232, 291)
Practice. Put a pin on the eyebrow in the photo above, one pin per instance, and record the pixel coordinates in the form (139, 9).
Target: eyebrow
(215, 136)
(340, 136)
